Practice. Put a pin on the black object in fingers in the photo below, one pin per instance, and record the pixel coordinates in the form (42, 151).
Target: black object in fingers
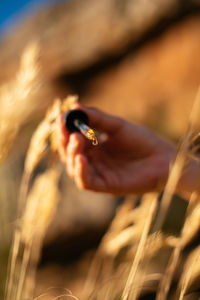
(71, 116)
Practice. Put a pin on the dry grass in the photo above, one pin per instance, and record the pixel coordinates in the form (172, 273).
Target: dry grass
(18, 99)
(38, 145)
(40, 207)
(191, 272)
(128, 262)
(130, 289)
(36, 208)
(38, 202)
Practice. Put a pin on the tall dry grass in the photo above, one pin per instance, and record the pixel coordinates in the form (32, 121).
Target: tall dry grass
(37, 200)
(18, 98)
(37, 205)
(135, 256)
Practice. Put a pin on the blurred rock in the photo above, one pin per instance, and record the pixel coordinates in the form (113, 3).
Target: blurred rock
(155, 83)
(76, 34)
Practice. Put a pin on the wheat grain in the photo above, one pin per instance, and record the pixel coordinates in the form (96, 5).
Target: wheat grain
(45, 132)
(192, 222)
(126, 228)
(18, 98)
(154, 243)
(190, 272)
(68, 102)
(39, 210)
(190, 228)
(38, 145)
(40, 206)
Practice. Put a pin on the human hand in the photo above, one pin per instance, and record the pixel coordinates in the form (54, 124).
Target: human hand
(131, 159)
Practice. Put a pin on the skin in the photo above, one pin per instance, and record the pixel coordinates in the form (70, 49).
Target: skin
(128, 159)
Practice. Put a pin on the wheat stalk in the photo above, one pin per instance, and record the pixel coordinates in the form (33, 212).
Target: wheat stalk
(118, 224)
(152, 198)
(39, 206)
(39, 210)
(44, 133)
(181, 161)
(191, 270)
(18, 98)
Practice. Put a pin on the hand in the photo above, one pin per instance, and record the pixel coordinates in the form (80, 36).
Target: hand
(131, 159)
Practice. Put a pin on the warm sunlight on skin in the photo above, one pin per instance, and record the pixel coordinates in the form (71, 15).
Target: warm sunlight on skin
(131, 160)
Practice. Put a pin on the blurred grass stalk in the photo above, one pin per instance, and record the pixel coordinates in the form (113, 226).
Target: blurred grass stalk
(38, 212)
(184, 155)
(18, 101)
(36, 208)
(129, 291)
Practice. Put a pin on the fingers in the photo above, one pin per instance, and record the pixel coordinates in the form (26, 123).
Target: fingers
(100, 120)
(79, 167)
(86, 176)
(69, 146)
(82, 176)
(72, 149)
(76, 145)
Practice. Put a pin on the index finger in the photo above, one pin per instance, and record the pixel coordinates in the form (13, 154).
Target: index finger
(100, 120)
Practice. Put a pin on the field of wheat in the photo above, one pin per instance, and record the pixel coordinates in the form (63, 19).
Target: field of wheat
(139, 257)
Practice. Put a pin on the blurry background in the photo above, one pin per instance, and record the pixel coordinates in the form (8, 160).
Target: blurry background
(11, 14)
(138, 59)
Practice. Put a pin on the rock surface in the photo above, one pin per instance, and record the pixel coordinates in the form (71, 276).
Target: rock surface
(76, 34)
